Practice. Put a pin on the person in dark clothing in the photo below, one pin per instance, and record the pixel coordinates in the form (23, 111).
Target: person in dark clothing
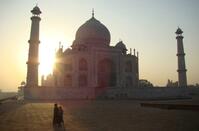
(60, 116)
(55, 115)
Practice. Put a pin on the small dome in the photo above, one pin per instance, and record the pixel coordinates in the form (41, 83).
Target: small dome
(121, 45)
(67, 51)
(93, 31)
(36, 10)
(179, 31)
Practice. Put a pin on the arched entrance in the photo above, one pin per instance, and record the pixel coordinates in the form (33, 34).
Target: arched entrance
(106, 73)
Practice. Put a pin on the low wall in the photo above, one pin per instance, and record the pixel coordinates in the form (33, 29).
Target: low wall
(92, 93)
(58, 93)
(153, 93)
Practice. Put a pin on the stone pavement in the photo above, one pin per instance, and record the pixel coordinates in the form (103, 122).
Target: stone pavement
(82, 115)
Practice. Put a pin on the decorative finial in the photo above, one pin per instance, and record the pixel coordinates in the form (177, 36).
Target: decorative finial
(59, 44)
(130, 51)
(137, 54)
(36, 11)
(134, 51)
(93, 13)
(179, 31)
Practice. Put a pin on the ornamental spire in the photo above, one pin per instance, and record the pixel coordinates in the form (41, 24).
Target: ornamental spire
(93, 13)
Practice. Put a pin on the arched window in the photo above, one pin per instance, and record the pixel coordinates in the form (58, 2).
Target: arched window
(83, 65)
(129, 81)
(68, 80)
(83, 80)
(128, 66)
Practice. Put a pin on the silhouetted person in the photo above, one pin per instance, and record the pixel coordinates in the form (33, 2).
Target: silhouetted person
(60, 116)
(55, 115)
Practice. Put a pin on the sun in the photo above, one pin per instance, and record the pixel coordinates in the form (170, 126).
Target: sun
(47, 50)
(46, 59)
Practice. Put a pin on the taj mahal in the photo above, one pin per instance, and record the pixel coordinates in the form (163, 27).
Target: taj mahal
(92, 68)
(92, 62)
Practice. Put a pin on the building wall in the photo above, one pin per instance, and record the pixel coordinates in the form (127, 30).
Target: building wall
(112, 93)
(95, 58)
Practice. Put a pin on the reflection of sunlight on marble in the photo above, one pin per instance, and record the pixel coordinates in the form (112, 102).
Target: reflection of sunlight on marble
(48, 47)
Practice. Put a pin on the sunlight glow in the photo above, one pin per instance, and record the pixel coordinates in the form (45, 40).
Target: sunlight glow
(47, 51)
(46, 58)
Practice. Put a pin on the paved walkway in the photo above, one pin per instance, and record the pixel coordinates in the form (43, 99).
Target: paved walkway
(95, 116)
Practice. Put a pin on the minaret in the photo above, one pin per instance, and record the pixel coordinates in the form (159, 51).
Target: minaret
(182, 77)
(33, 54)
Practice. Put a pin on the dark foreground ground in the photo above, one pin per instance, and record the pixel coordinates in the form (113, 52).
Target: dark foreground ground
(110, 115)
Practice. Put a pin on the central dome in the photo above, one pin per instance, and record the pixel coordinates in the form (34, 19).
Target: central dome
(92, 32)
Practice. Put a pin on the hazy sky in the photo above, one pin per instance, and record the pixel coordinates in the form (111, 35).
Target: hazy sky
(147, 25)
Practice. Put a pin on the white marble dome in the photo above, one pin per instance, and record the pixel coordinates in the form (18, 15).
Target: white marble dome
(93, 32)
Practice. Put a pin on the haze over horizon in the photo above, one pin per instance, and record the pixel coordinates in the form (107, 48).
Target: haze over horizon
(148, 26)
